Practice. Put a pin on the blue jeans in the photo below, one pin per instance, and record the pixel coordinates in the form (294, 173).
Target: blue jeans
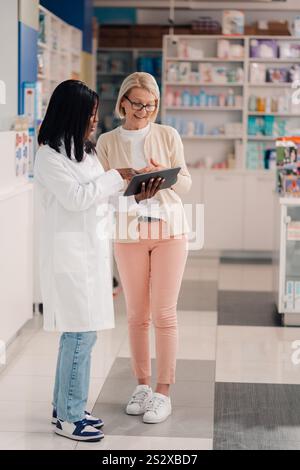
(73, 375)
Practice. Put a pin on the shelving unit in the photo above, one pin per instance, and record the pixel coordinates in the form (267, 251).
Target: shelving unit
(59, 55)
(286, 260)
(113, 66)
(191, 52)
(231, 197)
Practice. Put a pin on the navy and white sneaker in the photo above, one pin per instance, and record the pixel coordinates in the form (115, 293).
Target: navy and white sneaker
(78, 431)
(92, 421)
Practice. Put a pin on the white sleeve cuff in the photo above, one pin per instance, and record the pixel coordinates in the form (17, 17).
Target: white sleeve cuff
(118, 178)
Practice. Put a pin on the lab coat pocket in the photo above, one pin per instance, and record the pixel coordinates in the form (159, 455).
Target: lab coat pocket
(69, 252)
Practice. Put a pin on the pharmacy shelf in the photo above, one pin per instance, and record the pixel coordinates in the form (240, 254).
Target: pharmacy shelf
(174, 53)
(258, 113)
(203, 108)
(111, 74)
(109, 81)
(212, 137)
(59, 55)
(276, 60)
(271, 85)
(204, 59)
(129, 49)
(203, 84)
(262, 138)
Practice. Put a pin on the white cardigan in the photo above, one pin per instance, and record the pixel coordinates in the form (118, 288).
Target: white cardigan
(163, 143)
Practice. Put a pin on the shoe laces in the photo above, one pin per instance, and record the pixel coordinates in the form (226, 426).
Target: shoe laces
(155, 403)
(139, 397)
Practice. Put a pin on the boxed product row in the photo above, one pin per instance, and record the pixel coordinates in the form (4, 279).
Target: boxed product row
(273, 49)
(204, 72)
(288, 166)
(207, 163)
(272, 104)
(292, 295)
(225, 50)
(260, 73)
(196, 127)
(259, 157)
(266, 126)
(152, 65)
(108, 91)
(107, 64)
(188, 98)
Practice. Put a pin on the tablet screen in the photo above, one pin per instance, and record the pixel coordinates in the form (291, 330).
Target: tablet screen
(135, 185)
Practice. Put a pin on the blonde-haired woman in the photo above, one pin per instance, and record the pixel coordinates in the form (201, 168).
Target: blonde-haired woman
(152, 261)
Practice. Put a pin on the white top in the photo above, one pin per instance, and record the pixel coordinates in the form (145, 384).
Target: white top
(137, 139)
(147, 207)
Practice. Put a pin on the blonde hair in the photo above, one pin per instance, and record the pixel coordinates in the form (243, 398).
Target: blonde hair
(138, 80)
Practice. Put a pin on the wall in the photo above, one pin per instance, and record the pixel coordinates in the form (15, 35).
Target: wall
(28, 38)
(9, 61)
(116, 15)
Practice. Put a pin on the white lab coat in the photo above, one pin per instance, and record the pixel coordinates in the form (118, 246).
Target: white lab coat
(75, 272)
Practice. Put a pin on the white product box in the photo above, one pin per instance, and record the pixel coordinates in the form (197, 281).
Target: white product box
(289, 295)
(233, 22)
(297, 296)
(257, 73)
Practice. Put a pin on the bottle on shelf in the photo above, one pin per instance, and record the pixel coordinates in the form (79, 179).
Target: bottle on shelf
(268, 104)
(261, 104)
(202, 98)
(230, 97)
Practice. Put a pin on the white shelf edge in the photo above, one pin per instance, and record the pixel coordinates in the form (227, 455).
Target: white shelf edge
(203, 84)
(258, 113)
(212, 137)
(281, 60)
(271, 85)
(111, 74)
(262, 138)
(203, 59)
(231, 37)
(242, 171)
(203, 108)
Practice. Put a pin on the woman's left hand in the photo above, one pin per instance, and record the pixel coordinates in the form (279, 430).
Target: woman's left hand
(153, 166)
(157, 166)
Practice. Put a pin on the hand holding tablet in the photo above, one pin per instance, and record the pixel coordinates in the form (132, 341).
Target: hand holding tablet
(169, 176)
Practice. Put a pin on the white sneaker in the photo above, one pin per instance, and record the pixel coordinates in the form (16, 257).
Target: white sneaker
(139, 400)
(158, 409)
(78, 431)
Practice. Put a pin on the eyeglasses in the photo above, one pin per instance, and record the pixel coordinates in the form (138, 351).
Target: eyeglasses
(139, 106)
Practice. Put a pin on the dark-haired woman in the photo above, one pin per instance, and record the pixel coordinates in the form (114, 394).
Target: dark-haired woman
(74, 258)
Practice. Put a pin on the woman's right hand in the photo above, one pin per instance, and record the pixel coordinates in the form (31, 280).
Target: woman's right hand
(127, 173)
(152, 188)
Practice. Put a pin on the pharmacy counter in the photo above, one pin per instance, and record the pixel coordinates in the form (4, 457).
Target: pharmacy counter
(16, 243)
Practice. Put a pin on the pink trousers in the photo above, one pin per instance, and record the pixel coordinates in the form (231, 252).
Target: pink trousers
(151, 273)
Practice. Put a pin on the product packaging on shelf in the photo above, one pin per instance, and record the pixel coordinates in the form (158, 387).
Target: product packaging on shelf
(233, 22)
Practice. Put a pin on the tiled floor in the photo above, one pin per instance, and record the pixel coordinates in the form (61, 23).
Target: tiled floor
(237, 386)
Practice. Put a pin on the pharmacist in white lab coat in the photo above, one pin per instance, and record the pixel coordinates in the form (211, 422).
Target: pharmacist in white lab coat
(76, 279)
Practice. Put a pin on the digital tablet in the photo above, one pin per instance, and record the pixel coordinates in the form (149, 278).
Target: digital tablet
(135, 185)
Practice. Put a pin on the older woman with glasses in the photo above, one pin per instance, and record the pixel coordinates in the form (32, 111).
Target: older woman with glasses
(151, 257)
